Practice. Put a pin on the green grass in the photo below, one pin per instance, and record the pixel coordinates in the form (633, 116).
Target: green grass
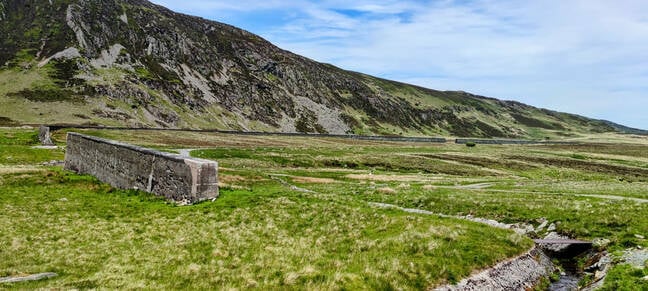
(21, 155)
(96, 236)
(18, 137)
(16, 148)
(264, 235)
(626, 277)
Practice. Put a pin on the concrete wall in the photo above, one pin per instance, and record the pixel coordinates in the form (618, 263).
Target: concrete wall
(44, 136)
(186, 180)
(508, 141)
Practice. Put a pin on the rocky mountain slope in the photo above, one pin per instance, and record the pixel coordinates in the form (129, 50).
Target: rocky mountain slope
(133, 63)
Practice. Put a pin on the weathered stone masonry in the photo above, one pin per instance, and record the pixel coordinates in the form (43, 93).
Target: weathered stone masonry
(44, 136)
(127, 166)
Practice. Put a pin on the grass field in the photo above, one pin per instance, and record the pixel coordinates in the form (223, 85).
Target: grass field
(295, 212)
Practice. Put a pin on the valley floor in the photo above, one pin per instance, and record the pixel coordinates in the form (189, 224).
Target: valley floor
(301, 212)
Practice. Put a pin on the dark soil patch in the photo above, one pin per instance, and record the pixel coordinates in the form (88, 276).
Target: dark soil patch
(6, 121)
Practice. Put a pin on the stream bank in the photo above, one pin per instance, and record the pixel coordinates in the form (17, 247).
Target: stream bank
(535, 268)
(520, 273)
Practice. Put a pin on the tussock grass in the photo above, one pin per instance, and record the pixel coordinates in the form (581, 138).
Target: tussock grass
(261, 234)
(18, 169)
(95, 236)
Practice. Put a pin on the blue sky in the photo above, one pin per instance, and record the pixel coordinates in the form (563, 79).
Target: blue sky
(588, 57)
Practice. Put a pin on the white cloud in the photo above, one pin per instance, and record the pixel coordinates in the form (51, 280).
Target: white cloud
(578, 56)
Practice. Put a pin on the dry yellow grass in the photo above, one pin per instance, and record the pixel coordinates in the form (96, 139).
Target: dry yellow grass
(300, 179)
(429, 187)
(393, 178)
(18, 169)
(386, 190)
(403, 186)
(229, 179)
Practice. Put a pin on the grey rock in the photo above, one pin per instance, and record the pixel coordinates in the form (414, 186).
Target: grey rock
(637, 258)
(542, 225)
(600, 269)
(600, 242)
(34, 277)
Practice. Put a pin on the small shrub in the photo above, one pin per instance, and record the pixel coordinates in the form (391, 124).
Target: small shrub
(470, 144)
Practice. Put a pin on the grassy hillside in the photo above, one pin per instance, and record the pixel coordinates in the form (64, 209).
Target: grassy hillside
(133, 63)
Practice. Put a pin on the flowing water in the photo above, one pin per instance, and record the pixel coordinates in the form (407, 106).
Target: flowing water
(568, 282)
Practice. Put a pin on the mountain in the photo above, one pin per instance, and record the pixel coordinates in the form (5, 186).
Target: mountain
(625, 129)
(133, 63)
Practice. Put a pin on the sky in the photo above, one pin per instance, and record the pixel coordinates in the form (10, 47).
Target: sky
(588, 57)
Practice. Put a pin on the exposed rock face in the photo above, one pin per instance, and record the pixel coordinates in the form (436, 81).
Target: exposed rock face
(173, 70)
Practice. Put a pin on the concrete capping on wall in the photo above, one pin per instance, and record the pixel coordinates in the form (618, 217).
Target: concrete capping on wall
(125, 166)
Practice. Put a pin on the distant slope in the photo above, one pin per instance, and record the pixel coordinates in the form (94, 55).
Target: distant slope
(624, 129)
(133, 63)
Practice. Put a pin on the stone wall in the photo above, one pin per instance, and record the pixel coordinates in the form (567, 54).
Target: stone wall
(44, 136)
(509, 141)
(185, 180)
(520, 273)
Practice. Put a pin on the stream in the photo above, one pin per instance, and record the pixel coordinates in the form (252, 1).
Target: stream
(567, 255)
(570, 276)
(565, 283)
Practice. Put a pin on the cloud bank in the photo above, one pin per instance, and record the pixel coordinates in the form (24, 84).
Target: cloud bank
(586, 57)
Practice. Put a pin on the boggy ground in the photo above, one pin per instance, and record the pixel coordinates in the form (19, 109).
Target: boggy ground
(295, 212)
